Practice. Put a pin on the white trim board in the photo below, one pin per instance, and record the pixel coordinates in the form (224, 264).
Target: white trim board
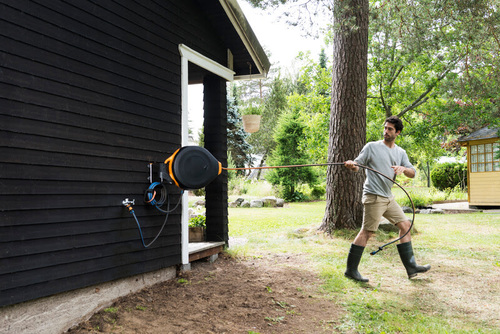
(205, 62)
(189, 55)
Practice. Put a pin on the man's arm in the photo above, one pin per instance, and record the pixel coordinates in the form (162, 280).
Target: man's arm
(362, 159)
(406, 167)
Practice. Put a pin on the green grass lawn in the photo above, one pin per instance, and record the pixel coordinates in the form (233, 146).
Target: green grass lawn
(461, 293)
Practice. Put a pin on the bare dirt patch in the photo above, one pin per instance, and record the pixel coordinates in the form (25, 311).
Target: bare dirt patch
(269, 294)
(282, 293)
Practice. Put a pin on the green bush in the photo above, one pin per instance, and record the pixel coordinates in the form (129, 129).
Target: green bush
(199, 192)
(198, 221)
(449, 175)
(424, 197)
(296, 196)
(420, 199)
(318, 192)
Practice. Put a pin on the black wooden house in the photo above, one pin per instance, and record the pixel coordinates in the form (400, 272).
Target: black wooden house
(91, 93)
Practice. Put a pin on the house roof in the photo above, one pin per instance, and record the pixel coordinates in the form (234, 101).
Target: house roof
(249, 58)
(484, 133)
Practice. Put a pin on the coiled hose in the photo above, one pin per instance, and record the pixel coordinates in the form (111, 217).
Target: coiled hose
(149, 197)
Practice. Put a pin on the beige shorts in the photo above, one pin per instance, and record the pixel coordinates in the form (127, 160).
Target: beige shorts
(378, 206)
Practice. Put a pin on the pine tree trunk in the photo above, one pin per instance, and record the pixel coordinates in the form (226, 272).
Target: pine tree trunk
(259, 171)
(348, 116)
(428, 175)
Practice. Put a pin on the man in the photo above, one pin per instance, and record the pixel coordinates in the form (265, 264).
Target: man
(391, 160)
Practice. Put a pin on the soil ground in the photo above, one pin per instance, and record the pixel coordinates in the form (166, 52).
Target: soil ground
(282, 293)
(268, 294)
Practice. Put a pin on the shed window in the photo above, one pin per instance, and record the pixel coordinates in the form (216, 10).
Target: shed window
(485, 158)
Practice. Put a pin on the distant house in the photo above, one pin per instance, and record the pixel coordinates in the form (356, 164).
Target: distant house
(91, 94)
(483, 166)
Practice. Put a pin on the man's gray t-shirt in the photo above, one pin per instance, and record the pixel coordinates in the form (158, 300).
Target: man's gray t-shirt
(378, 156)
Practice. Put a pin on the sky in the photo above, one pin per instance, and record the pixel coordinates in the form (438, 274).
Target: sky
(282, 40)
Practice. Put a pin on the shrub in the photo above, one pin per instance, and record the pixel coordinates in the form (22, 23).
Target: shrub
(449, 175)
(296, 196)
(199, 192)
(420, 199)
(318, 192)
(238, 185)
(198, 221)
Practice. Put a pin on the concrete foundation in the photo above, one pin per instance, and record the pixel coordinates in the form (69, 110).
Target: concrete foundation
(58, 313)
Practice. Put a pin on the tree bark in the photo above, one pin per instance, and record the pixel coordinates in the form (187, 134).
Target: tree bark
(348, 115)
(262, 161)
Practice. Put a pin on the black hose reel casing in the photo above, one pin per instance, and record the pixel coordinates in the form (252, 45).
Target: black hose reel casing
(192, 167)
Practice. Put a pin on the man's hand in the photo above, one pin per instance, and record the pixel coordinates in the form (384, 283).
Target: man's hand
(398, 169)
(408, 172)
(349, 164)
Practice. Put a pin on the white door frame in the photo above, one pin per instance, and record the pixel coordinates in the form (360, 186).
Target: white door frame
(189, 55)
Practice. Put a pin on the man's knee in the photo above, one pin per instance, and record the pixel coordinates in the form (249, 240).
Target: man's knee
(366, 234)
(404, 225)
(362, 237)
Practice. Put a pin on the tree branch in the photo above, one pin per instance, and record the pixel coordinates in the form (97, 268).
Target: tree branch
(386, 107)
(395, 76)
(423, 97)
(413, 105)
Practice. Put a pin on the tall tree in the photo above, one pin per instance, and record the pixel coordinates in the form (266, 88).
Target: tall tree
(273, 106)
(289, 134)
(433, 63)
(314, 104)
(348, 113)
(348, 104)
(323, 59)
(436, 62)
(237, 144)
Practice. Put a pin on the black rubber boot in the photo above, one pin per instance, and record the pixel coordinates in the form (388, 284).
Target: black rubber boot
(406, 253)
(353, 259)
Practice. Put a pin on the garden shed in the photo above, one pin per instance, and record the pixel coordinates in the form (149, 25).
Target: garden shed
(93, 98)
(483, 166)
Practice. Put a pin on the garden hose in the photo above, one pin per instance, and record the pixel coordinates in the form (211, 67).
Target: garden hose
(150, 198)
(131, 210)
(358, 165)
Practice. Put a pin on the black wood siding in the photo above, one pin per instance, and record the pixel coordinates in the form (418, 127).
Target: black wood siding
(89, 95)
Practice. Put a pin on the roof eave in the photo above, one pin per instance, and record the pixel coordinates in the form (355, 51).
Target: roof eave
(240, 23)
(250, 77)
(481, 134)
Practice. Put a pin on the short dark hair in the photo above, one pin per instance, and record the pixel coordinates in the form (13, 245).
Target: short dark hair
(394, 120)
